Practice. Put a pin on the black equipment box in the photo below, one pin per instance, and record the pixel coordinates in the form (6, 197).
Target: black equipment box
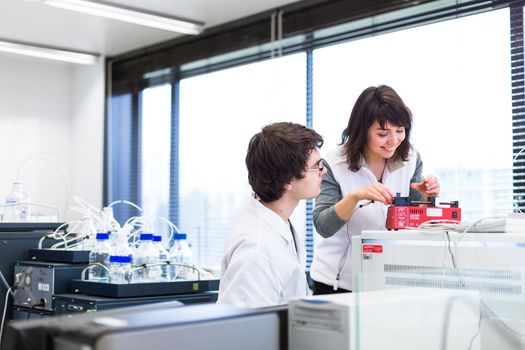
(38, 281)
(15, 241)
(29, 226)
(64, 256)
(21, 313)
(114, 290)
(79, 303)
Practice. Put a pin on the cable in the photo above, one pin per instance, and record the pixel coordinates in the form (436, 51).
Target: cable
(435, 226)
(443, 228)
(466, 286)
(145, 266)
(345, 257)
(9, 292)
(450, 250)
(55, 233)
(90, 266)
(475, 335)
(4, 281)
(466, 230)
(3, 315)
(69, 183)
(86, 205)
(173, 228)
(447, 315)
(79, 239)
(32, 307)
(501, 322)
(364, 205)
(121, 201)
(438, 225)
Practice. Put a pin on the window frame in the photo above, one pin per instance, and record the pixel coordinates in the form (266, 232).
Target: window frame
(303, 23)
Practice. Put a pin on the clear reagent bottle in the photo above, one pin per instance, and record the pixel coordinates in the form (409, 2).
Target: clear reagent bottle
(17, 204)
(146, 254)
(120, 269)
(163, 258)
(181, 254)
(100, 254)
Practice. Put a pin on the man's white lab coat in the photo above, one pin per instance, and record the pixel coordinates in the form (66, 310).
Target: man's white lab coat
(260, 266)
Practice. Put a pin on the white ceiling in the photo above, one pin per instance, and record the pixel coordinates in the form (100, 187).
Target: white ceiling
(31, 21)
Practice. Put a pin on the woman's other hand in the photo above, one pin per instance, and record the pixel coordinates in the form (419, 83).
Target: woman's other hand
(429, 186)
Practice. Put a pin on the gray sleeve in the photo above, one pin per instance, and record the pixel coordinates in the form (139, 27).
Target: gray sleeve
(326, 221)
(418, 177)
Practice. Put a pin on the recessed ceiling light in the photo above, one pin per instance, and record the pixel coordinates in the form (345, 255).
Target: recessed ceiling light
(51, 53)
(130, 15)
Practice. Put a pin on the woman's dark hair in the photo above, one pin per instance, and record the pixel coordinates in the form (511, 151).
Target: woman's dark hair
(380, 103)
(276, 155)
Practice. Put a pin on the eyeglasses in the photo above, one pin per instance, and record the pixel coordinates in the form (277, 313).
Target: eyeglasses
(318, 168)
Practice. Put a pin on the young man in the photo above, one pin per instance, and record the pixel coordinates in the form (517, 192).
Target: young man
(263, 261)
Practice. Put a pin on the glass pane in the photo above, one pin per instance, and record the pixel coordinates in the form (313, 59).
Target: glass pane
(121, 180)
(219, 114)
(455, 77)
(156, 141)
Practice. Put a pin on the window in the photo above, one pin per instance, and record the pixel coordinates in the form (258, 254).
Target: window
(155, 154)
(455, 77)
(171, 130)
(219, 113)
(121, 156)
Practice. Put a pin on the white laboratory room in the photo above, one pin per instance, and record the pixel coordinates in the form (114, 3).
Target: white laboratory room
(263, 175)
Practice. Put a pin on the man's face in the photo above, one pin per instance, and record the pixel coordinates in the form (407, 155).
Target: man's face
(310, 185)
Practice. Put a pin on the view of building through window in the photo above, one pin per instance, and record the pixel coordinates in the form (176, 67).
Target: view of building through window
(454, 75)
(219, 114)
(156, 141)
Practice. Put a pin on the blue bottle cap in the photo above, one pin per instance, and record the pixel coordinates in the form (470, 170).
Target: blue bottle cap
(179, 236)
(146, 236)
(102, 236)
(120, 259)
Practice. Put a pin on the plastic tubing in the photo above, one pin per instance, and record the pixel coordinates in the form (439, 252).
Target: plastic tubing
(83, 273)
(121, 201)
(145, 266)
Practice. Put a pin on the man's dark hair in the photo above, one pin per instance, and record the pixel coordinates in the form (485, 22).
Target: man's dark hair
(380, 103)
(276, 155)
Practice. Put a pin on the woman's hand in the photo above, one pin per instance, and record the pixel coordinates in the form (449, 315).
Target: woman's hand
(376, 192)
(429, 186)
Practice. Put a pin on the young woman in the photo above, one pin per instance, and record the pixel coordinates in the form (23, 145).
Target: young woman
(374, 161)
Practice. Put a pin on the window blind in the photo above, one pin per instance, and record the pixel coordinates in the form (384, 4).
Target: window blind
(248, 40)
(121, 153)
(518, 105)
(309, 230)
(174, 162)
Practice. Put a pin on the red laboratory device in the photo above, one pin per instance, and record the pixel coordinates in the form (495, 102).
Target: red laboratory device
(405, 213)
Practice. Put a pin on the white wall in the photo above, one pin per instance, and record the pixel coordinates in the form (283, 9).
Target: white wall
(51, 130)
(87, 132)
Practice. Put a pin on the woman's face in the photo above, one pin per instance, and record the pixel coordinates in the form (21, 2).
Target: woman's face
(383, 142)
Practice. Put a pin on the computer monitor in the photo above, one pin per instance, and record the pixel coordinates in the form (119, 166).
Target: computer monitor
(156, 326)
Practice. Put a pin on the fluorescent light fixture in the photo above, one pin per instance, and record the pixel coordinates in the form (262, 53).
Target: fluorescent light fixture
(47, 52)
(131, 15)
